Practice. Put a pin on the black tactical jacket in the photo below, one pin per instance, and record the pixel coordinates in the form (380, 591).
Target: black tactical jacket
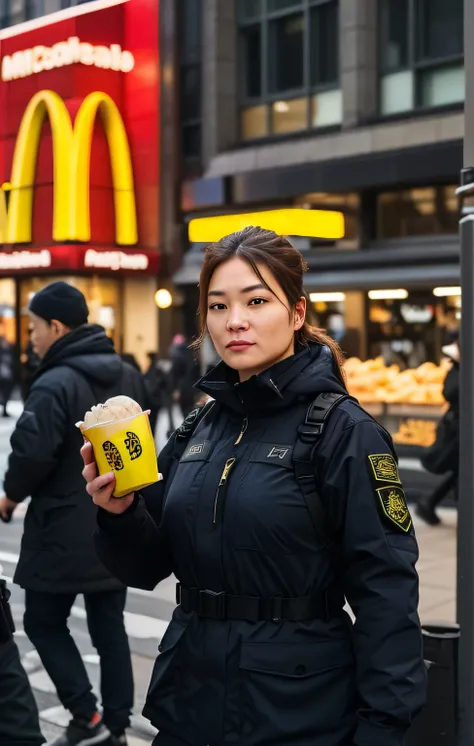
(322, 682)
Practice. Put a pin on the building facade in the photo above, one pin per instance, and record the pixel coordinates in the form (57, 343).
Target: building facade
(80, 148)
(354, 105)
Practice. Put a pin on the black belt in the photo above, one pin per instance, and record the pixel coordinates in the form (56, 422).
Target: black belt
(223, 606)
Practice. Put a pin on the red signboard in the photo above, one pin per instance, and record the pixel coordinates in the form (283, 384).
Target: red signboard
(79, 131)
(79, 258)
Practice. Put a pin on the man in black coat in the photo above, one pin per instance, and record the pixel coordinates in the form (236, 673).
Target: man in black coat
(19, 723)
(79, 368)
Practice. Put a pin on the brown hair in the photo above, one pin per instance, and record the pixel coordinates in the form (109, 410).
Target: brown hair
(258, 246)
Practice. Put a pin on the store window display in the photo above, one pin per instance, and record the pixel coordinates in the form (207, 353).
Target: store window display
(402, 380)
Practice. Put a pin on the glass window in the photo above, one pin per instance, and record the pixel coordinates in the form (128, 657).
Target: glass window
(326, 108)
(285, 60)
(191, 141)
(282, 4)
(289, 66)
(254, 122)
(4, 13)
(421, 54)
(397, 92)
(34, 9)
(442, 86)
(190, 51)
(252, 43)
(394, 16)
(290, 115)
(417, 212)
(190, 28)
(324, 44)
(191, 92)
(249, 9)
(440, 28)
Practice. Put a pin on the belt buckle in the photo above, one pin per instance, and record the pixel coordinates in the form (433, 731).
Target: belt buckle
(178, 594)
(212, 604)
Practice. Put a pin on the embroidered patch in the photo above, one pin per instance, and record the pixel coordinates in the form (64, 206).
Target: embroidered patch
(394, 507)
(196, 450)
(277, 452)
(384, 467)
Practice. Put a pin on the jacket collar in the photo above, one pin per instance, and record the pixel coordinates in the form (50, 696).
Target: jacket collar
(266, 390)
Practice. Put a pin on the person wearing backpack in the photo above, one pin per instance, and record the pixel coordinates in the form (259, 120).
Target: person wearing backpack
(280, 499)
(79, 368)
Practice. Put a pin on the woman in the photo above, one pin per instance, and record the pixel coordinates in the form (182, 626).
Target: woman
(260, 650)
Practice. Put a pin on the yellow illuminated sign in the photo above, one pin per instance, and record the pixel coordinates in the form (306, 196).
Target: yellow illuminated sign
(287, 222)
(71, 156)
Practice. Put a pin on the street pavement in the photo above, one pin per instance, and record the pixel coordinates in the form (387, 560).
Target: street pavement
(148, 613)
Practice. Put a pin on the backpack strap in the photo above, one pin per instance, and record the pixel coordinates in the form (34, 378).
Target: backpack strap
(185, 431)
(308, 438)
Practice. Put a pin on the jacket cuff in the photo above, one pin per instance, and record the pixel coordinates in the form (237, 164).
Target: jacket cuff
(369, 734)
(124, 523)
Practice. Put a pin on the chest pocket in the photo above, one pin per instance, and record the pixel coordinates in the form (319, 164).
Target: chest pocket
(185, 487)
(270, 513)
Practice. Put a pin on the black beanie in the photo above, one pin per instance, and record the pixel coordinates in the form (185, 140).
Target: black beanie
(62, 302)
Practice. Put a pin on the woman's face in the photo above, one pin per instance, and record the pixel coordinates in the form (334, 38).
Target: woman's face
(250, 326)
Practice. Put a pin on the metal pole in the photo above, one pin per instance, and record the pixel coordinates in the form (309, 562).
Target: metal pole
(465, 580)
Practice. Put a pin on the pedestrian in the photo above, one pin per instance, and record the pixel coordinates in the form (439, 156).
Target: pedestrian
(183, 370)
(79, 368)
(279, 500)
(7, 372)
(19, 722)
(443, 456)
(159, 390)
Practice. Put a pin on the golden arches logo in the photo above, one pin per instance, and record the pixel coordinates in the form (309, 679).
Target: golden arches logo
(71, 164)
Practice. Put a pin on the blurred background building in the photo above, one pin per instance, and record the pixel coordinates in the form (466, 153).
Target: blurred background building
(350, 105)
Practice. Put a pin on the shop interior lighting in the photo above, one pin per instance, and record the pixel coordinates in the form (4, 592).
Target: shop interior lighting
(397, 294)
(287, 222)
(327, 297)
(446, 292)
(163, 298)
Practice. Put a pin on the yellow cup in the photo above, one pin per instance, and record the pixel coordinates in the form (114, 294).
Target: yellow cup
(127, 448)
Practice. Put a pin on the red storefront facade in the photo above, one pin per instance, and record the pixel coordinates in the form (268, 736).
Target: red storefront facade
(80, 165)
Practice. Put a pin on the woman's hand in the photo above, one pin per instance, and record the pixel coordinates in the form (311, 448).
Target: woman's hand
(100, 488)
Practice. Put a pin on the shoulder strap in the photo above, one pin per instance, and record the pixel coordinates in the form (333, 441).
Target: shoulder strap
(185, 431)
(307, 441)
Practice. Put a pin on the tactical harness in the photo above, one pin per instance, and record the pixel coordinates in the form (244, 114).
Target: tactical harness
(222, 605)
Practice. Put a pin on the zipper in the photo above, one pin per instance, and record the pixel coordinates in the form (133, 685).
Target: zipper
(245, 425)
(222, 483)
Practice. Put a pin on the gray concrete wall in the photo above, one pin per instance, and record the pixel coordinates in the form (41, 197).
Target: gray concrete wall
(363, 140)
(220, 105)
(358, 60)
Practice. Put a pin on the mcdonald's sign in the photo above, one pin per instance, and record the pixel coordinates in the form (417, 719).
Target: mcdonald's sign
(71, 154)
(79, 139)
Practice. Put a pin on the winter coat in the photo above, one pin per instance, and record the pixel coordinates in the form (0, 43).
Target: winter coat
(57, 551)
(317, 682)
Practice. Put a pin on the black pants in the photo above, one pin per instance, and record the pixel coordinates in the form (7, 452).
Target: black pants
(449, 482)
(6, 389)
(19, 724)
(45, 623)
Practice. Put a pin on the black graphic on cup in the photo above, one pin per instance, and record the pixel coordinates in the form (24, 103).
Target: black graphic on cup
(133, 445)
(112, 454)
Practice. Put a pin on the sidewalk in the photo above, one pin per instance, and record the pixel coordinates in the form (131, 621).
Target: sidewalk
(437, 568)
